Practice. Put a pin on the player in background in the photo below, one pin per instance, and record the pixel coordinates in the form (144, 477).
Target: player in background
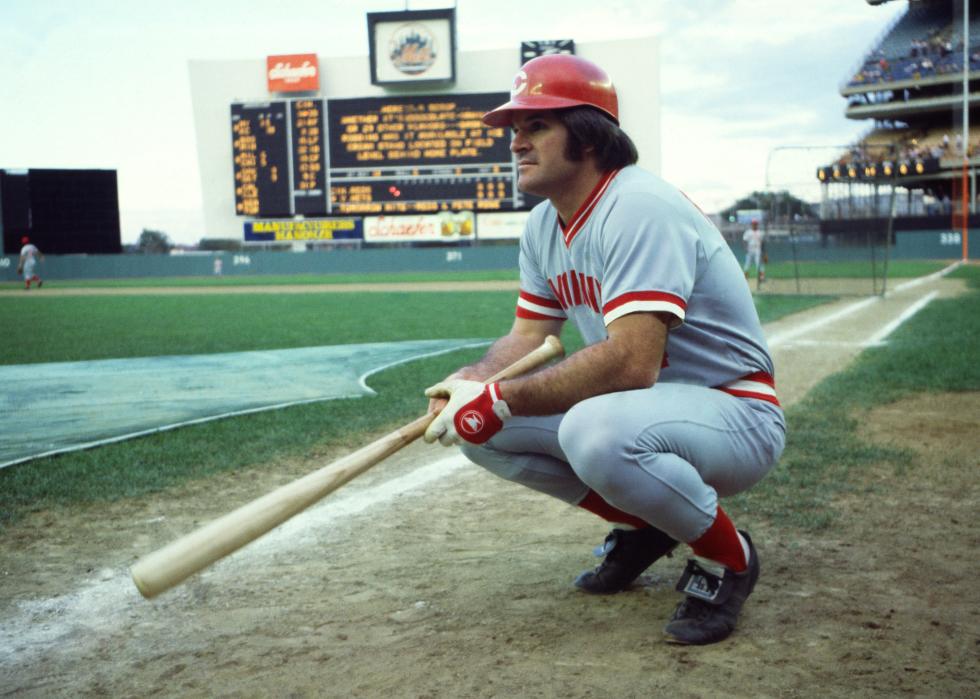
(753, 238)
(671, 404)
(27, 265)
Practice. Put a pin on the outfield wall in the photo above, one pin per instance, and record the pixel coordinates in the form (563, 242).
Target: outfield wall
(338, 261)
(909, 245)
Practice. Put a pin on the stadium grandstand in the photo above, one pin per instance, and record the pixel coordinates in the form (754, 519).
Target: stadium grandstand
(918, 86)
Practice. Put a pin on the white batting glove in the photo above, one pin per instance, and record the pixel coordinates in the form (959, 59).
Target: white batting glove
(474, 413)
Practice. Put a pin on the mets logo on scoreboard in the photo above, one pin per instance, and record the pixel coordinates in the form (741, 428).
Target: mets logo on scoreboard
(413, 49)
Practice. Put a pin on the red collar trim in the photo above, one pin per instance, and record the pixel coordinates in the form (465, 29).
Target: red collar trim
(584, 211)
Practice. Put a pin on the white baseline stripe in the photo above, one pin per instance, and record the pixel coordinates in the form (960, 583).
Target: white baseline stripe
(807, 328)
(928, 278)
(306, 524)
(880, 336)
(95, 607)
(790, 335)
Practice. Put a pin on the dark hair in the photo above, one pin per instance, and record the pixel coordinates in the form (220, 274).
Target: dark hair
(589, 128)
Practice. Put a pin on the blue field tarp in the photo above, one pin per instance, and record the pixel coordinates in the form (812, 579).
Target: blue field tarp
(57, 407)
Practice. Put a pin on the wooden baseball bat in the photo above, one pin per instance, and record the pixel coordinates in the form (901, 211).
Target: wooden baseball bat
(162, 569)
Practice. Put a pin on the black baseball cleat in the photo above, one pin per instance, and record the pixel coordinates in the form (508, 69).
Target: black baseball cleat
(627, 554)
(710, 610)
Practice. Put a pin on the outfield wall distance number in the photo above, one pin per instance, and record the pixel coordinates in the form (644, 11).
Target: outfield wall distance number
(241, 261)
(5, 263)
(950, 238)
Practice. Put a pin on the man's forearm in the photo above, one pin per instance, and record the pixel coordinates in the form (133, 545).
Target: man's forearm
(629, 359)
(504, 352)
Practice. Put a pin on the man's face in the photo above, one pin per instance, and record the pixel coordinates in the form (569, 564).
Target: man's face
(539, 143)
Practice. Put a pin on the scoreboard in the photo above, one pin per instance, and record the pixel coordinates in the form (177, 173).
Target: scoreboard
(372, 156)
(261, 157)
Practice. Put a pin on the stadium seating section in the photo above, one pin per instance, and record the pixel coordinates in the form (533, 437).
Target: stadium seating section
(925, 41)
(908, 87)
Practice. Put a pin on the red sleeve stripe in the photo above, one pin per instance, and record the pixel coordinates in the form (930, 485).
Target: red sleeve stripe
(644, 301)
(531, 315)
(537, 311)
(539, 300)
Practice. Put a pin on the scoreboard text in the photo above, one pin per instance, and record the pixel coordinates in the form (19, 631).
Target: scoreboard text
(364, 156)
(261, 153)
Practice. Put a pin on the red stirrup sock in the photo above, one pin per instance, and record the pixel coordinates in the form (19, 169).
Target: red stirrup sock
(722, 544)
(594, 503)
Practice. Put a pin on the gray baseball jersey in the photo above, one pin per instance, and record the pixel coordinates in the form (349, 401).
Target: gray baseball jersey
(638, 244)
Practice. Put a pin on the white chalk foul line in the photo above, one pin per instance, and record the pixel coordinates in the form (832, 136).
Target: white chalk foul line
(99, 604)
(879, 337)
(791, 336)
(928, 278)
(816, 324)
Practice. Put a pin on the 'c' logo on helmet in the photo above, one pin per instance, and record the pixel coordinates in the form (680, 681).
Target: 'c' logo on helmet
(471, 422)
(520, 83)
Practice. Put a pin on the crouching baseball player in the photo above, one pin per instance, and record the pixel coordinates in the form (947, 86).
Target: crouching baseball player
(671, 404)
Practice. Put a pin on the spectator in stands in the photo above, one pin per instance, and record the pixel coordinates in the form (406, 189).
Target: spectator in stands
(29, 257)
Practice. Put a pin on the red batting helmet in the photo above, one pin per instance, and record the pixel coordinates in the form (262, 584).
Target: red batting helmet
(25, 240)
(557, 81)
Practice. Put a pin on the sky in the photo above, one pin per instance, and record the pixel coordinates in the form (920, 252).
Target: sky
(749, 88)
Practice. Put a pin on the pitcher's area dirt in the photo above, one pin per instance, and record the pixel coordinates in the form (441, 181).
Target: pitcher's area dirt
(426, 577)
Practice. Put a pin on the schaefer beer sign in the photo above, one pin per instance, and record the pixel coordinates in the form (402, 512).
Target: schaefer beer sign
(293, 73)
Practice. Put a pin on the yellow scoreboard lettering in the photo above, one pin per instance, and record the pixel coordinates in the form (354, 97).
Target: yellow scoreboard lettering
(287, 231)
(369, 155)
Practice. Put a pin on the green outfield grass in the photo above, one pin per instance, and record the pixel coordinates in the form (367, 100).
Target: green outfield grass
(852, 269)
(102, 327)
(108, 327)
(75, 328)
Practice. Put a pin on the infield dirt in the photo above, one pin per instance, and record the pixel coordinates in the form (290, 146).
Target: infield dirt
(427, 577)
